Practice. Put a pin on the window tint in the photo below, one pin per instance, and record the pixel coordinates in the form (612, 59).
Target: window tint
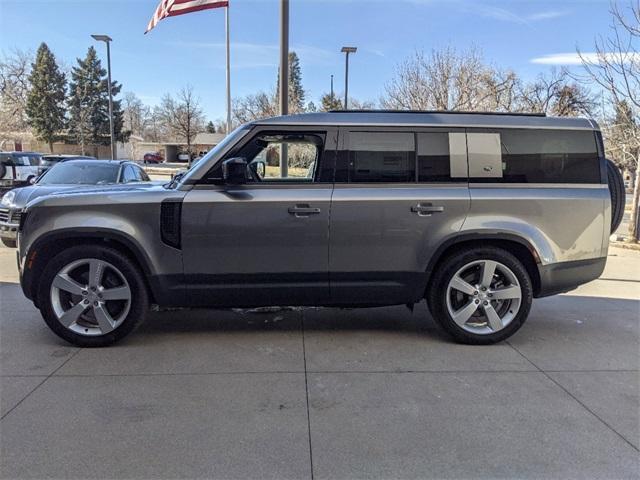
(142, 175)
(75, 172)
(129, 175)
(21, 161)
(381, 157)
(549, 156)
(434, 162)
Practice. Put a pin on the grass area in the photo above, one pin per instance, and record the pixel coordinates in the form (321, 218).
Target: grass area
(293, 172)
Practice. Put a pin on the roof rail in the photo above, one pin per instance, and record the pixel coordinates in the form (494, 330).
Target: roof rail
(452, 112)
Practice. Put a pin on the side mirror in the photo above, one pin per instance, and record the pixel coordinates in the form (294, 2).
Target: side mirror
(234, 171)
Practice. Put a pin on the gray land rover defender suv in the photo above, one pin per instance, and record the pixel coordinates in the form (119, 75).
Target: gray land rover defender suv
(476, 213)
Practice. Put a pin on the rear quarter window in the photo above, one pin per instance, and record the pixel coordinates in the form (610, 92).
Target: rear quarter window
(549, 156)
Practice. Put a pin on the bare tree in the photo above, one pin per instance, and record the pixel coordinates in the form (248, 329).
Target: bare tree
(137, 115)
(156, 129)
(254, 107)
(355, 104)
(615, 66)
(183, 115)
(556, 93)
(622, 135)
(449, 80)
(15, 68)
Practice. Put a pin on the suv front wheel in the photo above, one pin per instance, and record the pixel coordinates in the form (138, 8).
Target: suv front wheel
(92, 296)
(480, 295)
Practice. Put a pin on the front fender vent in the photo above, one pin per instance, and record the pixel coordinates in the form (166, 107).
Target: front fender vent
(170, 220)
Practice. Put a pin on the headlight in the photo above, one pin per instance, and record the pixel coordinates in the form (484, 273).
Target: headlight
(8, 198)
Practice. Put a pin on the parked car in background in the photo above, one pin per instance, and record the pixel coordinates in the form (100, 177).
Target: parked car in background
(476, 213)
(18, 168)
(152, 157)
(66, 175)
(49, 161)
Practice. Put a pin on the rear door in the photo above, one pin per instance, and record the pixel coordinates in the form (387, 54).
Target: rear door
(399, 194)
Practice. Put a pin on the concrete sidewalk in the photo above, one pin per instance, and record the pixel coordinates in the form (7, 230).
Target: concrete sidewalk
(325, 393)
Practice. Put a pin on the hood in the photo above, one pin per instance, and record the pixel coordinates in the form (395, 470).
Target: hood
(120, 187)
(79, 194)
(25, 194)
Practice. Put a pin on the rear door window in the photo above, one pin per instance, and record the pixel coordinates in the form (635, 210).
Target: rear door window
(382, 157)
(434, 159)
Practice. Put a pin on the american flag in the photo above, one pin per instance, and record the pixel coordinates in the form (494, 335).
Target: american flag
(171, 8)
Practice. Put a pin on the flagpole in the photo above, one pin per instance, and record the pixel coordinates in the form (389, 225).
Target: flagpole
(228, 70)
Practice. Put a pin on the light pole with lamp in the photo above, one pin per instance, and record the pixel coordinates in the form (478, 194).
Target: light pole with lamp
(107, 39)
(347, 50)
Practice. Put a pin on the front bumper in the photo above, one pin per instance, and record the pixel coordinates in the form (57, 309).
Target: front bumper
(9, 230)
(9, 222)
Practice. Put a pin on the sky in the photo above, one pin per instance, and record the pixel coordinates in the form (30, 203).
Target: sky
(528, 36)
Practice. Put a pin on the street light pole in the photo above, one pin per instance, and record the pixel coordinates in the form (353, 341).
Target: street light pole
(106, 39)
(227, 33)
(347, 50)
(284, 78)
(331, 87)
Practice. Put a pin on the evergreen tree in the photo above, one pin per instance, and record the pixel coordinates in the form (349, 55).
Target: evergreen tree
(330, 102)
(89, 103)
(296, 90)
(211, 128)
(45, 107)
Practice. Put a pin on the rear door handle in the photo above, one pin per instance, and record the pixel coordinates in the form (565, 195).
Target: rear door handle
(303, 210)
(426, 209)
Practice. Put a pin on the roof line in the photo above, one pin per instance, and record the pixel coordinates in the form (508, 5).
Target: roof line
(450, 112)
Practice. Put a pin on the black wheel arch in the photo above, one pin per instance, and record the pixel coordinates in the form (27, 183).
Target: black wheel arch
(52, 243)
(518, 246)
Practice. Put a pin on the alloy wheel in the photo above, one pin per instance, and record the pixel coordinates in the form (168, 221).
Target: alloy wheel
(483, 297)
(90, 297)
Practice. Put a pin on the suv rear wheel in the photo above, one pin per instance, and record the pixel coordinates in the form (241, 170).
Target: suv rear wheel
(480, 295)
(92, 296)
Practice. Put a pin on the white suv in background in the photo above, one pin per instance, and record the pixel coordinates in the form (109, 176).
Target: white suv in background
(18, 168)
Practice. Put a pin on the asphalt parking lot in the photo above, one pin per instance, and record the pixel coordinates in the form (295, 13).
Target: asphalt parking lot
(324, 393)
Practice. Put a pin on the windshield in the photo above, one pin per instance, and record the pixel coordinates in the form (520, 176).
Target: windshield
(81, 173)
(204, 164)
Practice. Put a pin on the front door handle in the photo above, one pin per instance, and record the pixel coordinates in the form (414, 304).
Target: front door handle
(426, 209)
(303, 210)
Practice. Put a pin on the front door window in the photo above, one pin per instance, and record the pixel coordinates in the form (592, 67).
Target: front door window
(267, 153)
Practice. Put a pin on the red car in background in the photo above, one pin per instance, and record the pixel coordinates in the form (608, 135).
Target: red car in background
(153, 157)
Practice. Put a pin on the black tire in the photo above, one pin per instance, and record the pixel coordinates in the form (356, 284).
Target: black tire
(447, 268)
(139, 304)
(3, 170)
(9, 242)
(618, 194)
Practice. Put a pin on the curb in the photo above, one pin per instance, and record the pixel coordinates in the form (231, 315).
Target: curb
(625, 245)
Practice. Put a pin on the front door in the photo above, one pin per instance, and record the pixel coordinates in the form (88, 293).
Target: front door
(265, 242)
(399, 194)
